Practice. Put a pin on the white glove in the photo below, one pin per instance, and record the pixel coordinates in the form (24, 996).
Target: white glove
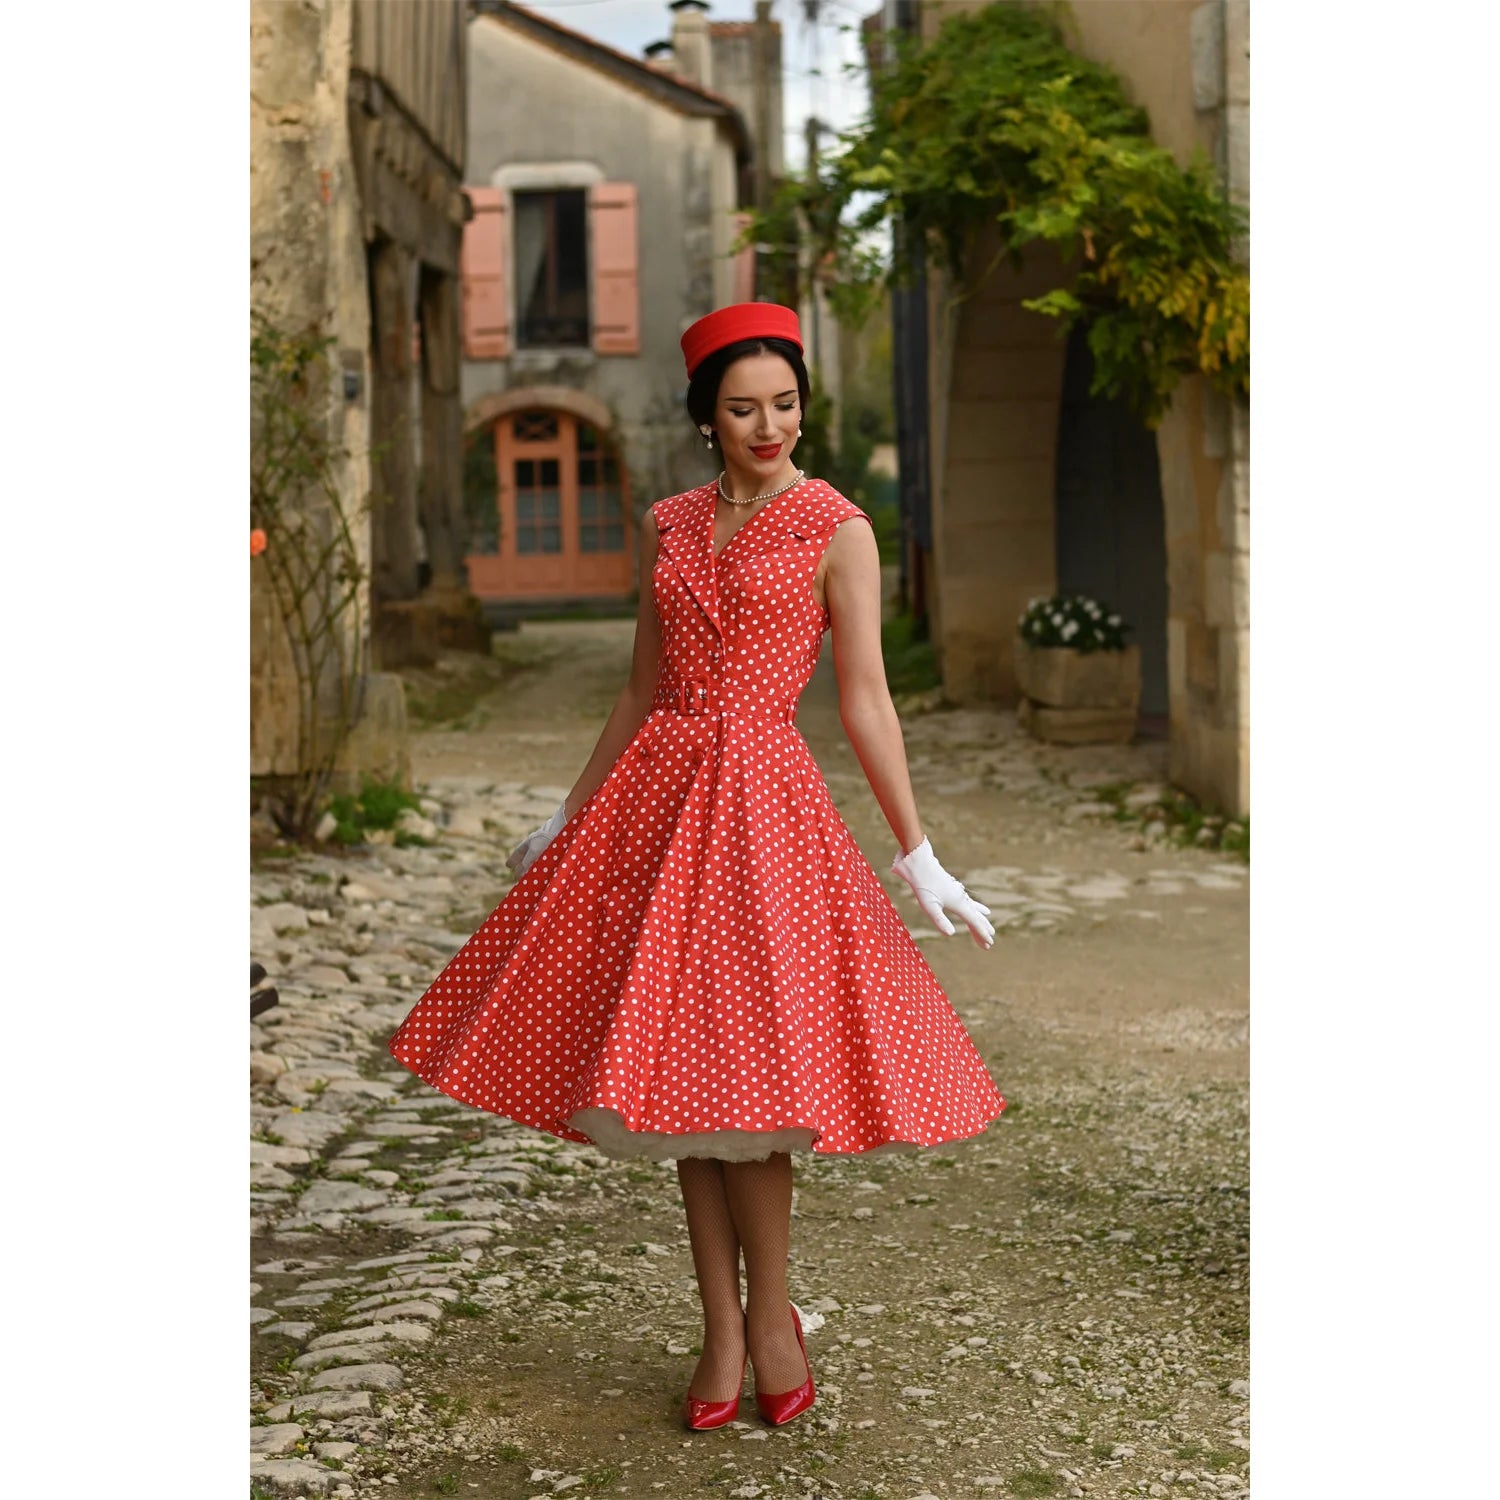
(524, 855)
(935, 888)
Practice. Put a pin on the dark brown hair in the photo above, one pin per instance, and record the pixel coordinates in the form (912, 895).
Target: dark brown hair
(703, 388)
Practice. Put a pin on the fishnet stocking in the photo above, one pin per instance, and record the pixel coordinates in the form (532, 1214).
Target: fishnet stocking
(759, 1195)
(716, 1262)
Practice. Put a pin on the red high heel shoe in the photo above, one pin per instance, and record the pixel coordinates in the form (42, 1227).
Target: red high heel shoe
(700, 1415)
(777, 1409)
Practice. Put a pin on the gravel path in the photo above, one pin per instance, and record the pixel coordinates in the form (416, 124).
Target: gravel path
(446, 1303)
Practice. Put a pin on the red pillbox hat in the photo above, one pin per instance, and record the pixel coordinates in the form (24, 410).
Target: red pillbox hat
(744, 320)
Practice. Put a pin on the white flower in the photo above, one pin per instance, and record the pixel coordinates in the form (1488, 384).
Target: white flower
(1070, 630)
(1114, 619)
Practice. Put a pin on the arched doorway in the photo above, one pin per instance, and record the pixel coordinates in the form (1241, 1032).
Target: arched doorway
(549, 510)
(1110, 529)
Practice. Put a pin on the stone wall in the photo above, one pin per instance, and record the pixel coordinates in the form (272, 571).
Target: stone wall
(995, 382)
(307, 267)
(1187, 63)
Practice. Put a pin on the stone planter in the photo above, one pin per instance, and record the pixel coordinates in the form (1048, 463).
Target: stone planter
(1074, 697)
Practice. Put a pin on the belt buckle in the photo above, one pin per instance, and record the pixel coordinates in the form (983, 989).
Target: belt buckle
(692, 696)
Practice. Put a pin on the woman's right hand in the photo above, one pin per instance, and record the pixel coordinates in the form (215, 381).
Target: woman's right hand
(935, 888)
(524, 855)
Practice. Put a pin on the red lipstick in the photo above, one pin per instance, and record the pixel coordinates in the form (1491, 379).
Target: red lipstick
(767, 452)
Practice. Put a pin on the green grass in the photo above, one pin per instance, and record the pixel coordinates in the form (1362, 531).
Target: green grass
(1028, 1482)
(448, 704)
(1183, 817)
(1219, 1459)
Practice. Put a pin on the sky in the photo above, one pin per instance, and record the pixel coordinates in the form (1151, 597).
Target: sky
(812, 55)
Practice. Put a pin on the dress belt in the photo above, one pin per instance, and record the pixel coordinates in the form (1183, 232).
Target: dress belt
(695, 697)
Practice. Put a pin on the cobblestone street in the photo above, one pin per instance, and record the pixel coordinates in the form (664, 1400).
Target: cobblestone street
(443, 1302)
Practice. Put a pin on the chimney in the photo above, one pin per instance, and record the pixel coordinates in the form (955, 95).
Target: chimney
(659, 55)
(690, 46)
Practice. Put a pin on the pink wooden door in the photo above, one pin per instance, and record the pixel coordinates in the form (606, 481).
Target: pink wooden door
(564, 509)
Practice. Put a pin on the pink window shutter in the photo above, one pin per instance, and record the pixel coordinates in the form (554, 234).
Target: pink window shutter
(743, 264)
(616, 262)
(482, 264)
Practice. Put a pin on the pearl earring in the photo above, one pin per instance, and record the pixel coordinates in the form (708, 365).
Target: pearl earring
(708, 436)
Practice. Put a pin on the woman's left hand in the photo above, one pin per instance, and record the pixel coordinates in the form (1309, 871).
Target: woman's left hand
(526, 853)
(935, 889)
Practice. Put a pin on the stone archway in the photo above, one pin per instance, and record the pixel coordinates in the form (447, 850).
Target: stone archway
(997, 414)
(487, 409)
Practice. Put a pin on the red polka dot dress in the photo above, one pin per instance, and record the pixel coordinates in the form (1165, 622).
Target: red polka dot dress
(702, 962)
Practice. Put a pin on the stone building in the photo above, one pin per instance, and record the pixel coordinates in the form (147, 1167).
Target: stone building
(357, 139)
(306, 270)
(1030, 486)
(607, 192)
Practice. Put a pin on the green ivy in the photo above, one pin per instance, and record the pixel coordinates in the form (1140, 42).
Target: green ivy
(995, 121)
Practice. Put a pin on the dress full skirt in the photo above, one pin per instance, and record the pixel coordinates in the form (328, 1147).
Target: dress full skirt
(702, 962)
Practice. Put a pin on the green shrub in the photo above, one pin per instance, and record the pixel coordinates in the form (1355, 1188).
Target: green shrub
(378, 804)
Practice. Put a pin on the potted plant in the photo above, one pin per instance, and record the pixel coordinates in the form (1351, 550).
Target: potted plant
(1080, 682)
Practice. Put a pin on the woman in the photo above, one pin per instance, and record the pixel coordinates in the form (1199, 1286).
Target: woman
(697, 964)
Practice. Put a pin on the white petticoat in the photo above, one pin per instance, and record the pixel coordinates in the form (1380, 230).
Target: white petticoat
(606, 1129)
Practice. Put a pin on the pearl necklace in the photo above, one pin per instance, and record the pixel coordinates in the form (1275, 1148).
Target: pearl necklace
(769, 495)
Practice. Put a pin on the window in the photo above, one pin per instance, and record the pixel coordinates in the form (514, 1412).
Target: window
(601, 507)
(554, 268)
(552, 297)
(538, 506)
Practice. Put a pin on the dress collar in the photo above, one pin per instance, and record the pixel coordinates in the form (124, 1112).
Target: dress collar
(687, 538)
